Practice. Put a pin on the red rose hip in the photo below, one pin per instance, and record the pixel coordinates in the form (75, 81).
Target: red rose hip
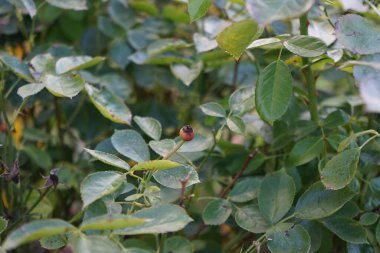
(187, 133)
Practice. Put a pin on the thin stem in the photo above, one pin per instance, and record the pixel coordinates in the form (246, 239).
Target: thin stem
(205, 159)
(328, 17)
(374, 8)
(12, 87)
(77, 216)
(309, 75)
(29, 210)
(75, 113)
(224, 192)
(255, 244)
(233, 241)
(367, 141)
(279, 55)
(174, 150)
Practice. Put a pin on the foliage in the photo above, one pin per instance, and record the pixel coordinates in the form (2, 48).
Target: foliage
(283, 95)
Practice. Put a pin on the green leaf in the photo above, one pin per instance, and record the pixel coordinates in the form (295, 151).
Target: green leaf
(3, 224)
(314, 229)
(174, 177)
(110, 221)
(276, 194)
(144, 6)
(109, 105)
(347, 229)
(162, 218)
(216, 212)
(305, 150)
(71, 63)
(306, 46)
(377, 232)
(198, 8)
(340, 170)
(213, 109)
(236, 124)
(39, 157)
(53, 241)
(187, 74)
(78, 5)
(274, 91)
(99, 184)
(266, 42)
(242, 100)
(177, 244)
(150, 126)
(250, 218)
(165, 45)
(65, 85)
(335, 119)
(318, 202)
(358, 34)
(119, 53)
(288, 238)
(155, 165)
(29, 89)
(237, 37)
(359, 248)
(162, 147)
(130, 143)
(36, 230)
(108, 159)
(121, 14)
(265, 12)
(94, 244)
(370, 92)
(16, 66)
(245, 190)
(369, 218)
(41, 65)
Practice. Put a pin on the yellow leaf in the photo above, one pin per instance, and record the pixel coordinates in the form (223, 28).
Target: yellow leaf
(17, 131)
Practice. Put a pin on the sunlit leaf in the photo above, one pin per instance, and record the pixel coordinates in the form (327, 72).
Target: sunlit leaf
(198, 8)
(237, 37)
(71, 63)
(30, 89)
(36, 230)
(99, 184)
(110, 221)
(77, 5)
(265, 12)
(158, 220)
(358, 34)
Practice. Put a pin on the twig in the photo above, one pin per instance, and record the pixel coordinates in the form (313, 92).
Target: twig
(174, 150)
(241, 171)
(183, 188)
(58, 118)
(27, 212)
(236, 73)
